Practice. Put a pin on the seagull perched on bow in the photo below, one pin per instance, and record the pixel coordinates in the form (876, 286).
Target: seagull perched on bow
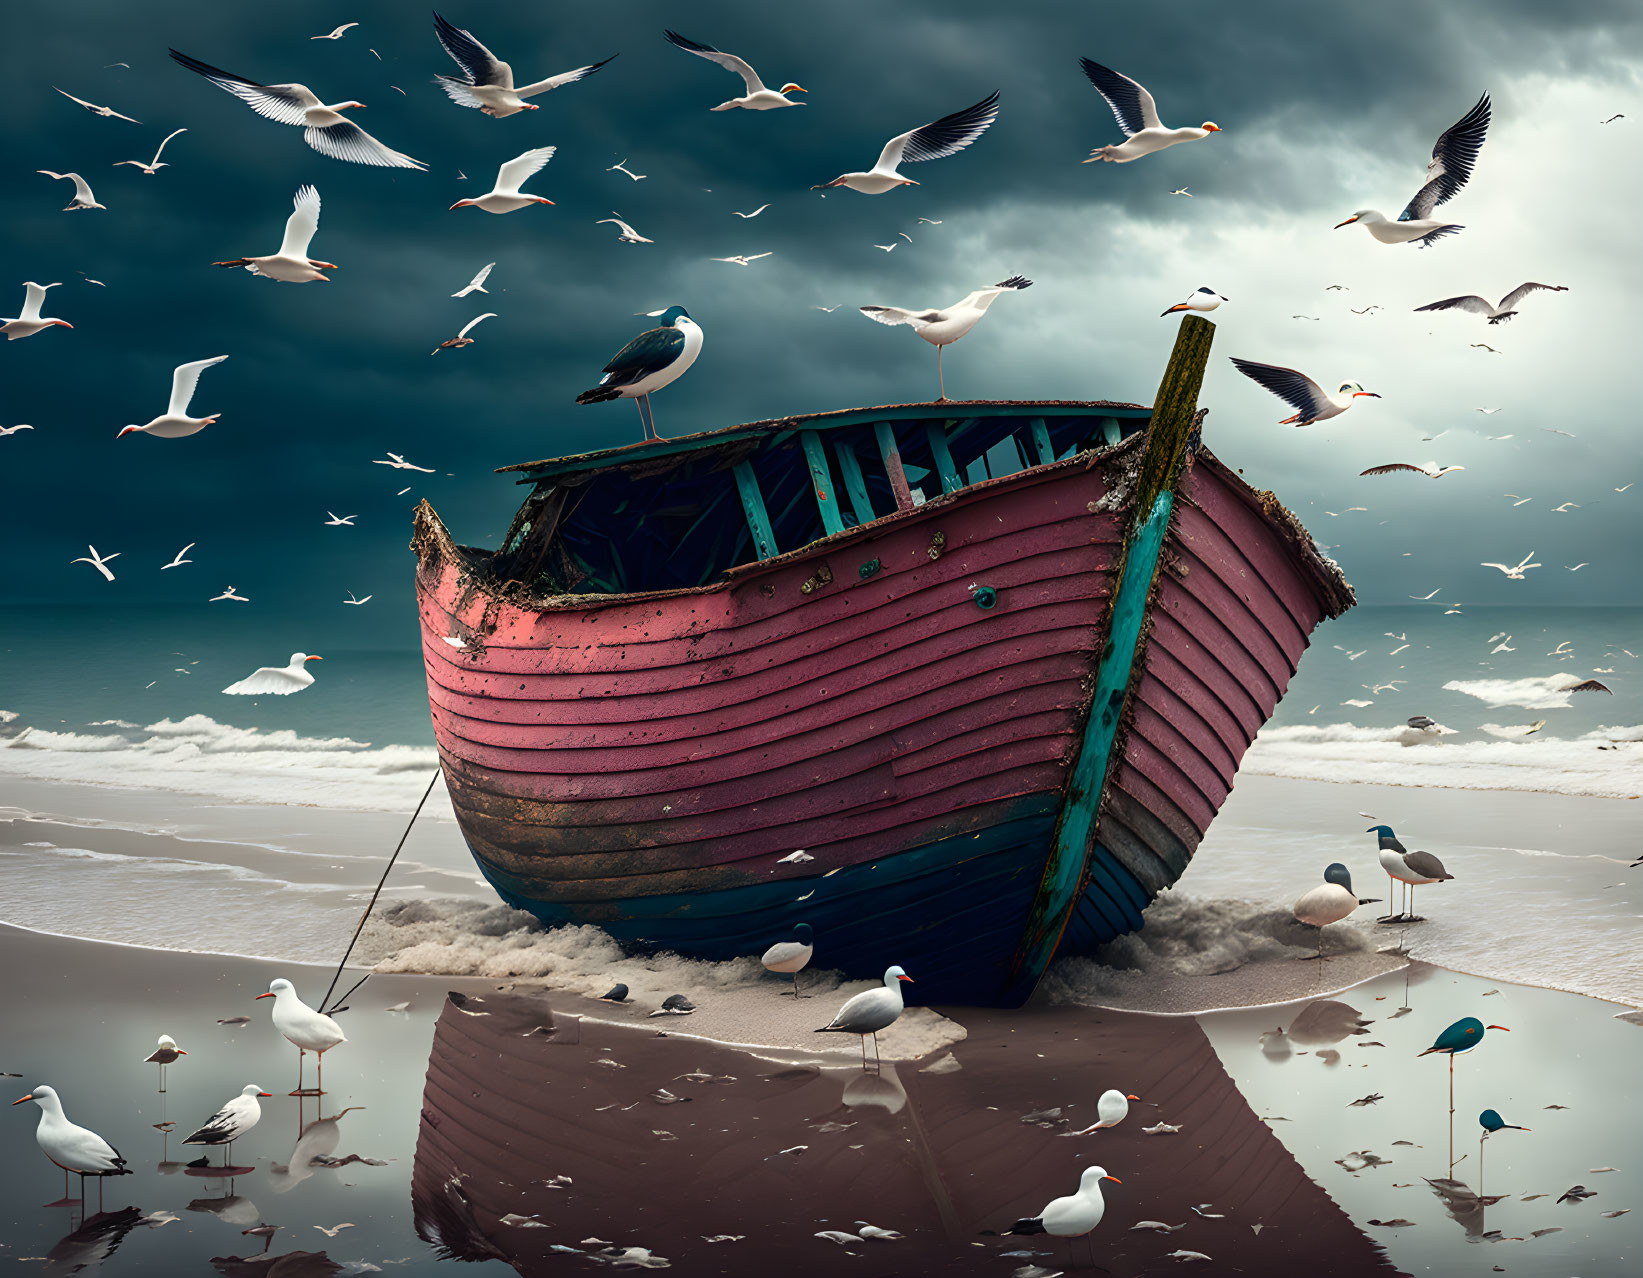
(742, 260)
(1431, 471)
(1311, 402)
(656, 358)
(1137, 114)
(487, 82)
(30, 321)
(337, 33)
(628, 234)
(943, 327)
(1205, 299)
(106, 112)
(292, 265)
(399, 463)
(99, 562)
(934, 141)
(1495, 314)
(324, 127)
(83, 198)
(757, 97)
(154, 165)
(458, 342)
(1515, 571)
(175, 422)
(1450, 168)
(505, 196)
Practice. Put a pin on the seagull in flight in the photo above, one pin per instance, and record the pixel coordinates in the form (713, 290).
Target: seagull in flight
(83, 198)
(352, 600)
(1495, 314)
(292, 265)
(338, 522)
(1577, 567)
(152, 166)
(1366, 310)
(1311, 402)
(1485, 346)
(1566, 506)
(1621, 115)
(1137, 115)
(337, 34)
(934, 141)
(1424, 598)
(930, 221)
(628, 234)
(888, 248)
(1342, 288)
(828, 309)
(1515, 571)
(179, 561)
(1431, 472)
(230, 596)
(106, 112)
(505, 196)
(1517, 501)
(12, 430)
(757, 98)
(1450, 168)
(1618, 490)
(462, 339)
(30, 321)
(477, 284)
(1487, 412)
(748, 260)
(1182, 191)
(620, 168)
(175, 423)
(486, 83)
(99, 562)
(399, 463)
(754, 213)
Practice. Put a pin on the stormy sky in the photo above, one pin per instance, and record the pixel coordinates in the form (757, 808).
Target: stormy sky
(1326, 109)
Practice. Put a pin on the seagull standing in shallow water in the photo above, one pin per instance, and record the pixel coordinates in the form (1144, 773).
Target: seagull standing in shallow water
(487, 81)
(1462, 1036)
(302, 1026)
(165, 1054)
(1330, 902)
(1311, 402)
(757, 98)
(870, 1011)
(1449, 170)
(944, 327)
(656, 358)
(31, 321)
(1137, 114)
(232, 1121)
(1412, 869)
(72, 1147)
(946, 136)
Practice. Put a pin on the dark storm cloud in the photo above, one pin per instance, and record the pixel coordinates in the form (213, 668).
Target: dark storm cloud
(1326, 108)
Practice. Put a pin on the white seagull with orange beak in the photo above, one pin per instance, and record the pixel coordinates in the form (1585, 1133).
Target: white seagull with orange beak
(506, 197)
(324, 127)
(934, 141)
(175, 422)
(1311, 402)
(31, 321)
(165, 1054)
(1205, 299)
(308, 1030)
(1449, 170)
(275, 681)
(1137, 114)
(292, 265)
(487, 83)
(72, 1147)
(757, 98)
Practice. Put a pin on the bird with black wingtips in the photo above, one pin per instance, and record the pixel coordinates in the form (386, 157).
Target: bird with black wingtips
(1329, 902)
(1076, 1215)
(870, 1011)
(1137, 114)
(238, 1116)
(1412, 869)
(1495, 314)
(1204, 299)
(72, 1147)
(934, 141)
(486, 83)
(656, 358)
(1311, 402)
(757, 97)
(1450, 168)
(792, 956)
(942, 327)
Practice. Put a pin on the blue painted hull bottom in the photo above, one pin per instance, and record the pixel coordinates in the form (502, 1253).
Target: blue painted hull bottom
(981, 885)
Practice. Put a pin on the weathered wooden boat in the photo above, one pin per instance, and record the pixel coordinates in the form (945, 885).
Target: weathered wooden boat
(991, 667)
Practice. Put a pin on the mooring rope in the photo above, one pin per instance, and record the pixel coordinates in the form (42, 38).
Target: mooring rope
(372, 903)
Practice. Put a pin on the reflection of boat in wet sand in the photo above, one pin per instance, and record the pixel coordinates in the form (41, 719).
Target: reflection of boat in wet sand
(519, 1097)
(992, 665)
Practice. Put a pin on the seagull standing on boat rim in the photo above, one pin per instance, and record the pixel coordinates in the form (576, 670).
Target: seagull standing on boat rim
(165, 1054)
(944, 327)
(175, 423)
(1310, 401)
(870, 1011)
(274, 681)
(232, 1121)
(1137, 114)
(1205, 299)
(656, 358)
(934, 141)
(1409, 868)
(309, 1030)
(72, 1147)
(1450, 169)
(487, 81)
(757, 98)
(292, 265)
(791, 956)
(31, 321)
(1330, 902)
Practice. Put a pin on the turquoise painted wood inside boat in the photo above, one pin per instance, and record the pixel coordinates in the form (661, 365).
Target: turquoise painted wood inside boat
(1075, 832)
(821, 481)
(758, 521)
(951, 480)
(885, 433)
(854, 484)
(1041, 441)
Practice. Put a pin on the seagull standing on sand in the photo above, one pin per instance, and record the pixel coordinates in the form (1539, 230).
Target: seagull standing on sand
(99, 562)
(292, 265)
(153, 166)
(1137, 114)
(72, 1147)
(505, 196)
(487, 82)
(1495, 314)
(1112, 1109)
(273, 681)
(656, 358)
(477, 284)
(943, 327)
(791, 956)
(870, 1011)
(458, 342)
(324, 127)
(108, 113)
(165, 1054)
(309, 1030)
(1330, 902)
(175, 423)
(1074, 1216)
(757, 98)
(232, 1121)
(1205, 299)
(1412, 869)
(627, 234)
(31, 321)
(1311, 402)
(1450, 168)
(934, 141)
(83, 198)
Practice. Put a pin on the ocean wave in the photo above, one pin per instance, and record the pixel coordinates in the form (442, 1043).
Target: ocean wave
(1540, 692)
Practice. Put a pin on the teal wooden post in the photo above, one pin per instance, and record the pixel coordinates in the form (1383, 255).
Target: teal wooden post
(854, 484)
(936, 434)
(821, 481)
(885, 433)
(758, 522)
(1041, 441)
